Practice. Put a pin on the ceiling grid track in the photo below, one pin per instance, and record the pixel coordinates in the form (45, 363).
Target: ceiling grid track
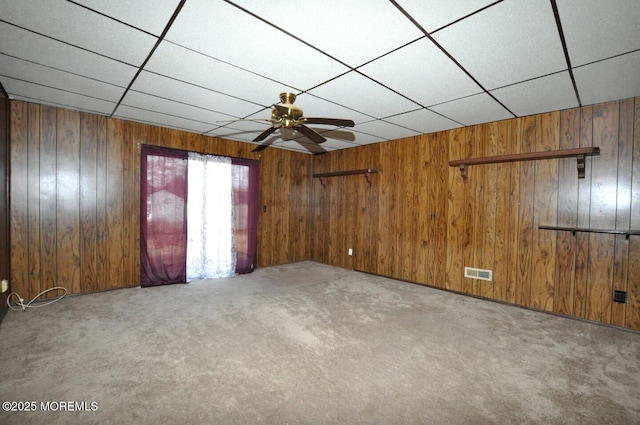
(556, 15)
(155, 46)
(397, 68)
(450, 56)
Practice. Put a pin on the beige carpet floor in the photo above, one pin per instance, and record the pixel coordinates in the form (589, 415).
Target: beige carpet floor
(307, 343)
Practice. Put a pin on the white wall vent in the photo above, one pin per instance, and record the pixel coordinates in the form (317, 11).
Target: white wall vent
(481, 274)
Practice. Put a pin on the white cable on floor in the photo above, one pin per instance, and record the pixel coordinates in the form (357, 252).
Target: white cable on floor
(24, 306)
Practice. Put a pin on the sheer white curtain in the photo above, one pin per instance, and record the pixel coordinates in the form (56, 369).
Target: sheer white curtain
(211, 250)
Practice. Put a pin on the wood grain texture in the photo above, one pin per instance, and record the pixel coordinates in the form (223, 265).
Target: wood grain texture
(115, 203)
(455, 215)
(88, 202)
(603, 212)
(492, 220)
(632, 319)
(623, 207)
(5, 210)
(75, 198)
(439, 208)
(584, 207)
(34, 260)
(530, 129)
(417, 221)
(386, 226)
(490, 137)
(19, 205)
(365, 247)
(47, 174)
(471, 210)
(567, 215)
(68, 200)
(546, 210)
(502, 215)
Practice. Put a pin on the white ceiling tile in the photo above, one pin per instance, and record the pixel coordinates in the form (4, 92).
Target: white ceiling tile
(596, 29)
(353, 31)
(290, 145)
(48, 77)
(253, 125)
(551, 93)
(164, 106)
(239, 55)
(30, 92)
(29, 46)
(423, 121)
(78, 26)
(476, 109)
(200, 70)
(513, 41)
(229, 34)
(332, 144)
(190, 94)
(439, 78)
(434, 14)
(360, 93)
(159, 119)
(240, 130)
(385, 129)
(367, 139)
(148, 15)
(617, 78)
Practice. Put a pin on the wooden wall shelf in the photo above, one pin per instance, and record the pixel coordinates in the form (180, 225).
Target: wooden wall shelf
(578, 153)
(574, 230)
(364, 171)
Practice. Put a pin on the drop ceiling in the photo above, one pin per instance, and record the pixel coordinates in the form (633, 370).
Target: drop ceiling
(397, 68)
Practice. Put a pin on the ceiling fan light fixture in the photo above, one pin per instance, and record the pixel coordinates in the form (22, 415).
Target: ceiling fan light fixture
(286, 115)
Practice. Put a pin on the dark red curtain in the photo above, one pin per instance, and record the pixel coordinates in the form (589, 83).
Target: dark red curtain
(245, 174)
(163, 216)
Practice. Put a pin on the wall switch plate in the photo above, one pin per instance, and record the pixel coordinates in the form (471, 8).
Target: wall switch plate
(350, 251)
(5, 285)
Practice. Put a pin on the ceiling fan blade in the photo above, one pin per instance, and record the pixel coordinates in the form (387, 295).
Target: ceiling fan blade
(314, 148)
(264, 134)
(336, 134)
(261, 147)
(331, 121)
(315, 137)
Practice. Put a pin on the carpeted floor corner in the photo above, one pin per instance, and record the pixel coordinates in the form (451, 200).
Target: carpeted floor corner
(307, 343)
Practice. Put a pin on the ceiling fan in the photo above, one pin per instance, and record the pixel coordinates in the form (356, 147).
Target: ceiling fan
(286, 115)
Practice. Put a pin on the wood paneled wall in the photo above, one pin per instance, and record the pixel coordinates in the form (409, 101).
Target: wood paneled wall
(5, 259)
(420, 222)
(75, 203)
(75, 198)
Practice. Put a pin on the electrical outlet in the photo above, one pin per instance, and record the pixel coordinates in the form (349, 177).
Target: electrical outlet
(350, 251)
(5, 285)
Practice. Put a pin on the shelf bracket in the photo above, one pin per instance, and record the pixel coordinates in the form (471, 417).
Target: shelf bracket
(463, 172)
(580, 161)
(322, 182)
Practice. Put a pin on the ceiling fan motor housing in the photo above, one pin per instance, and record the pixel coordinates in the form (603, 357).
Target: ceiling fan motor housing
(287, 114)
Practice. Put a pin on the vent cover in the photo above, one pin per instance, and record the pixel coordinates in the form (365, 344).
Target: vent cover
(481, 274)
